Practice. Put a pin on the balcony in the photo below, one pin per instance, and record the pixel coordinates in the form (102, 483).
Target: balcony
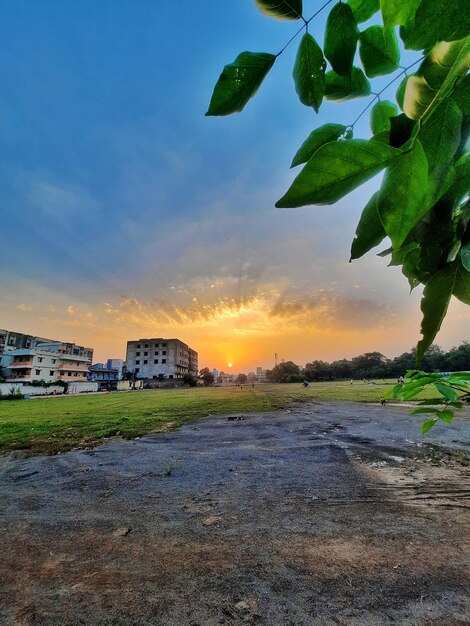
(73, 368)
(18, 377)
(24, 364)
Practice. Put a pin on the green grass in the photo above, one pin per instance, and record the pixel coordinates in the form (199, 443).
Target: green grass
(57, 424)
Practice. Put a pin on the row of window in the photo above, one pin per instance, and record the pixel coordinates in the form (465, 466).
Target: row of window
(52, 372)
(146, 353)
(145, 361)
(157, 345)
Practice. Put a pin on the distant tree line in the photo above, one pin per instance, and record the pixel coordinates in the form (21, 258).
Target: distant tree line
(373, 365)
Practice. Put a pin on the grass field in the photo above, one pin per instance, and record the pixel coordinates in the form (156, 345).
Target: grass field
(61, 423)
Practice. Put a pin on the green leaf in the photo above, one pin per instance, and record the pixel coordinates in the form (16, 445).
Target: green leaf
(363, 10)
(340, 88)
(380, 116)
(424, 411)
(398, 11)
(446, 416)
(318, 137)
(309, 72)
(434, 305)
(281, 9)
(426, 426)
(400, 94)
(378, 50)
(239, 82)
(369, 231)
(436, 77)
(336, 169)
(461, 288)
(460, 182)
(440, 136)
(341, 35)
(461, 94)
(436, 20)
(446, 391)
(401, 198)
(465, 255)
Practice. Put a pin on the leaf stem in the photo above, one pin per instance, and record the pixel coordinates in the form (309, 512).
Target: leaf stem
(305, 25)
(377, 95)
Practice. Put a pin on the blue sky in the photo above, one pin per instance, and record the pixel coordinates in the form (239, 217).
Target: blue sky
(126, 212)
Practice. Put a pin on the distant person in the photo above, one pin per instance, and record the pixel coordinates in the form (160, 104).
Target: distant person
(305, 383)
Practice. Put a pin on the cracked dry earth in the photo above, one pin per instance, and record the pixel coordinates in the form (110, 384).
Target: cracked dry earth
(329, 513)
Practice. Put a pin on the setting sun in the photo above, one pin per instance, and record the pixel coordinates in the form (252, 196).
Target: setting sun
(230, 364)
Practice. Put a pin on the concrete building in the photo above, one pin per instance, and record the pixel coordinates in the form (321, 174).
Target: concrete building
(11, 340)
(160, 358)
(106, 377)
(115, 364)
(44, 364)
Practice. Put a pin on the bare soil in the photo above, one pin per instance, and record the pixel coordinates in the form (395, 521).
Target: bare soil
(329, 513)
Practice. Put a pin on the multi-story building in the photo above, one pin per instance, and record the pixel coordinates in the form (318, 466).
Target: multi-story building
(160, 358)
(115, 364)
(10, 340)
(106, 377)
(49, 362)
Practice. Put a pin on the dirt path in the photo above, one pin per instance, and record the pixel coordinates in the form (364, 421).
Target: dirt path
(329, 513)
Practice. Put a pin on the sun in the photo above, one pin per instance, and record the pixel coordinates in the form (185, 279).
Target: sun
(230, 364)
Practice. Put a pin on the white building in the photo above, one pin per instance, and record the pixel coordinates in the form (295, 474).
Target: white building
(160, 358)
(35, 364)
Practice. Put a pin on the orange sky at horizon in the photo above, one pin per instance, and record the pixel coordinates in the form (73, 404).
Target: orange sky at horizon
(246, 335)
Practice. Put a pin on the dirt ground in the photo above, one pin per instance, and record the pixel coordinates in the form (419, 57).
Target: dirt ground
(329, 513)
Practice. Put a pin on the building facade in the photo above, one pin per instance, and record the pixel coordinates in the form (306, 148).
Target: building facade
(160, 358)
(43, 363)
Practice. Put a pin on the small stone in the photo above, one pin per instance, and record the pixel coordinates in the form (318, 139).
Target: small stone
(122, 532)
(242, 606)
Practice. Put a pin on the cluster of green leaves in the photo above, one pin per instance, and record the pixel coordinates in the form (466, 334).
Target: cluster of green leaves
(452, 389)
(421, 140)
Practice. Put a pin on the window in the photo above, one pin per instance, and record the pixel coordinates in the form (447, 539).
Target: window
(38, 372)
(40, 359)
(163, 360)
(137, 370)
(156, 352)
(137, 354)
(155, 361)
(51, 372)
(53, 361)
(157, 345)
(138, 345)
(137, 362)
(78, 364)
(146, 345)
(146, 353)
(145, 361)
(164, 345)
(163, 351)
(69, 373)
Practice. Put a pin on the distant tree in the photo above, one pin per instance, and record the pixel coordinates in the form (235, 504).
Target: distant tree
(317, 370)
(341, 369)
(241, 379)
(457, 359)
(251, 377)
(370, 365)
(207, 376)
(287, 372)
(190, 380)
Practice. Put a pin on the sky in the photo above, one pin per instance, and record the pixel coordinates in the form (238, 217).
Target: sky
(126, 213)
